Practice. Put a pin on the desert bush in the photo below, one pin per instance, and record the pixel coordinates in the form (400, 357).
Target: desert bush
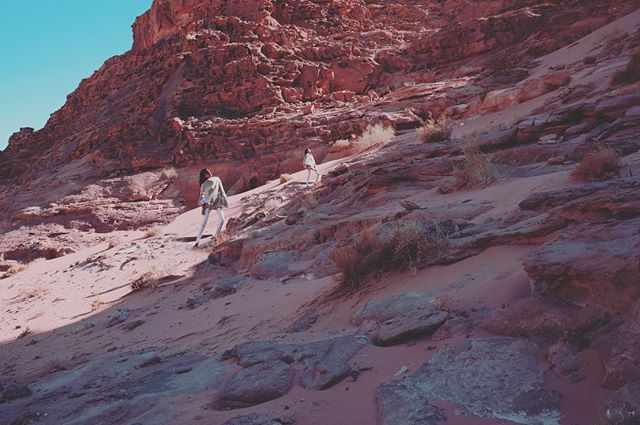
(376, 135)
(24, 333)
(285, 177)
(589, 60)
(272, 204)
(152, 231)
(145, 280)
(113, 242)
(342, 144)
(396, 246)
(477, 170)
(413, 241)
(630, 74)
(170, 173)
(433, 131)
(95, 304)
(601, 164)
(15, 269)
(445, 303)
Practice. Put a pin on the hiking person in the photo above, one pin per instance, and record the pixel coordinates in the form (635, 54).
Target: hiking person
(309, 163)
(212, 197)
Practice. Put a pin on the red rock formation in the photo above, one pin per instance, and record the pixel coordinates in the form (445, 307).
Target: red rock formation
(232, 84)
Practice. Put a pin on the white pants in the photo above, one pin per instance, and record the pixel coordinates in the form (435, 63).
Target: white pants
(205, 220)
(315, 170)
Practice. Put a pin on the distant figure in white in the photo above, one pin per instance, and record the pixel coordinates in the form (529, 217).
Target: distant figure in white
(309, 163)
(212, 197)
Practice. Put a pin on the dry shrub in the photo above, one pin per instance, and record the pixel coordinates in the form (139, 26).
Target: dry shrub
(95, 304)
(601, 164)
(477, 170)
(272, 204)
(170, 173)
(342, 144)
(34, 292)
(589, 60)
(285, 177)
(15, 269)
(152, 232)
(414, 241)
(145, 280)
(113, 242)
(25, 332)
(376, 135)
(407, 243)
(433, 131)
(630, 74)
(445, 303)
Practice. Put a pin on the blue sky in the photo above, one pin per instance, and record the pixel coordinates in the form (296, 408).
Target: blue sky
(48, 46)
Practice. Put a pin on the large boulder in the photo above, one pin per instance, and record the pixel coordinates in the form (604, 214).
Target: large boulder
(492, 377)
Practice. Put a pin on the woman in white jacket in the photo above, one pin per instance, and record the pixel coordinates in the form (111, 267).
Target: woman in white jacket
(309, 163)
(212, 196)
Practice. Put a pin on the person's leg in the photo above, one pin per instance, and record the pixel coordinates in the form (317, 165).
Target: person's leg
(317, 174)
(220, 221)
(205, 219)
(308, 175)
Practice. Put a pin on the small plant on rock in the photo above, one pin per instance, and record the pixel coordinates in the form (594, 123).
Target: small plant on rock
(152, 232)
(477, 170)
(145, 280)
(285, 177)
(601, 164)
(376, 135)
(630, 74)
(170, 173)
(433, 131)
(396, 246)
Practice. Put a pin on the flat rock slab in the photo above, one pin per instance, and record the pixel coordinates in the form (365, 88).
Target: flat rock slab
(323, 363)
(620, 351)
(397, 319)
(125, 390)
(252, 419)
(624, 406)
(493, 377)
(258, 383)
(400, 404)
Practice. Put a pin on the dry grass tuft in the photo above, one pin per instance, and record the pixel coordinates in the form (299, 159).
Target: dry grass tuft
(285, 178)
(113, 242)
(95, 304)
(14, 270)
(433, 131)
(146, 280)
(25, 332)
(170, 173)
(445, 303)
(630, 74)
(404, 244)
(152, 232)
(30, 293)
(601, 164)
(376, 135)
(477, 170)
(272, 204)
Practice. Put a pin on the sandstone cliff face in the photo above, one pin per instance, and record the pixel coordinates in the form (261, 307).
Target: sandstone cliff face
(207, 81)
(245, 86)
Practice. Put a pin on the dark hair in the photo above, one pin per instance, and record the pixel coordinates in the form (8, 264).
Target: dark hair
(307, 150)
(203, 174)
